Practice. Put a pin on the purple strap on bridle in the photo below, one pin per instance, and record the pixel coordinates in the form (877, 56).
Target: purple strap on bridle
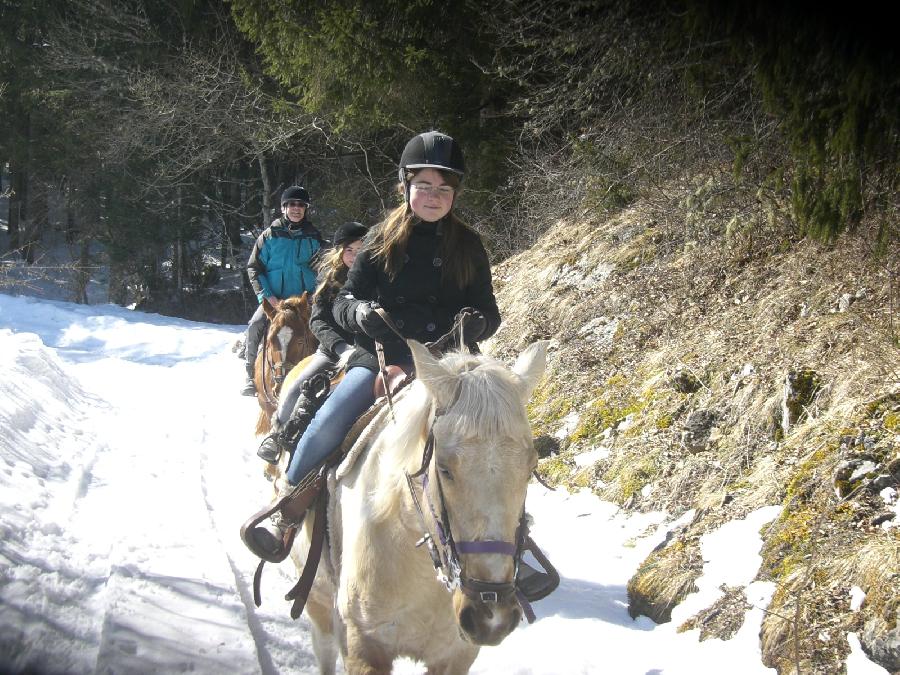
(489, 546)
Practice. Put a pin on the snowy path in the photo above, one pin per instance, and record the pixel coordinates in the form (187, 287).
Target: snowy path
(125, 555)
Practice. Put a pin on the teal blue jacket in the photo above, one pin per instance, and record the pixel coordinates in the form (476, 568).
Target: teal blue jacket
(280, 263)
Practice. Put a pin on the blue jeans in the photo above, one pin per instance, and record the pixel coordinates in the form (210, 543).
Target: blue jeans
(351, 398)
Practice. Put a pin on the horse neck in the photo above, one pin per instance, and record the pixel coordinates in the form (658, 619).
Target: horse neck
(397, 451)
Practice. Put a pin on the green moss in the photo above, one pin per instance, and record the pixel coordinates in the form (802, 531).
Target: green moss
(788, 542)
(630, 475)
(548, 407)
(892, 422)
(613, 404)
(554, 470)
(808, 476)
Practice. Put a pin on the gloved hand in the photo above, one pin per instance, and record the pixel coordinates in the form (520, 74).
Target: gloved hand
(474, 324)
(369, 322)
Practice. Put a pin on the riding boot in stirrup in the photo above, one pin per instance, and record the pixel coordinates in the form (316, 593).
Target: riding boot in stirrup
(249, 388)
(272, 541)
(286, 438)
(535, 584)
(271, 446)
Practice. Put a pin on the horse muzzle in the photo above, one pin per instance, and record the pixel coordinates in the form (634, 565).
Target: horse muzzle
(486, 612)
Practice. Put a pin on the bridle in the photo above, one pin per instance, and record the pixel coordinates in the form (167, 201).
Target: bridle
(279, 369)
(445, 554)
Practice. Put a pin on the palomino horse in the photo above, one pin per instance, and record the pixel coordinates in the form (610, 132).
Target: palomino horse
(287, 342)
(450, 467)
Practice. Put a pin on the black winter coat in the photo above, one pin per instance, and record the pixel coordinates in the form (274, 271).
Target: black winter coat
(419, 303)
(324, 326)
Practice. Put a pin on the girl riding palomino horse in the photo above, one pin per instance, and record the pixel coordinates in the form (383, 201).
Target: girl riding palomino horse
(422, 265)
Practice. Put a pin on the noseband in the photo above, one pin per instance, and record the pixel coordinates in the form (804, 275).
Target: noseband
(445, 557)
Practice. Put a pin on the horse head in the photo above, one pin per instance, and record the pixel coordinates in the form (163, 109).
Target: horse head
(287, 342)
(289, 334)
(475, 481)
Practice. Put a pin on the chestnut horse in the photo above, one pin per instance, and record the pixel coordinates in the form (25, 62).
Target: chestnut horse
(448, 465)
(288, 341)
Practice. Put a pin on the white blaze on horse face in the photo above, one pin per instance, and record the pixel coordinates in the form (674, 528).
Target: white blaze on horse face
(285, 335)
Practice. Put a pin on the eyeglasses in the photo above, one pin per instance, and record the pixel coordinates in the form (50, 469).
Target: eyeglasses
(295, 204)
(434, 191)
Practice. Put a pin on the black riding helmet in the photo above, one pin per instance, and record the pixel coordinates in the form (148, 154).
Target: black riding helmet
(295, 192)
(349, 232)
(431, 150)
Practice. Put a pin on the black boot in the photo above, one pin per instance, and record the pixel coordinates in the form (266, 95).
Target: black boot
(312, 396)
(249, 388)
(533, 583)
(272, 541)
(270, 449)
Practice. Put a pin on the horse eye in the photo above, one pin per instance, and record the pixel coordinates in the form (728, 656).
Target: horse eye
(445, 472)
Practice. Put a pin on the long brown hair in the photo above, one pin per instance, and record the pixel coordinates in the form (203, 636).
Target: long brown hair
(334, 274)
(388, 240)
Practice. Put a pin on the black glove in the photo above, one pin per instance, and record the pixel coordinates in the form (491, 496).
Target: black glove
(473, 323)
(369, 322)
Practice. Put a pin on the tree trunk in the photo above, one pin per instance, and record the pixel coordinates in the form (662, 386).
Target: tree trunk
(266, 189)
(17, 203)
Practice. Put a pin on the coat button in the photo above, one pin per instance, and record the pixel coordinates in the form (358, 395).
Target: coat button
(406, 258)
(430, 327)
(437, 262)
(432, 299)
(400, 299)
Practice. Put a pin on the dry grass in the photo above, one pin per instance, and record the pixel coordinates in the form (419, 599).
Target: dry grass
(738, 314)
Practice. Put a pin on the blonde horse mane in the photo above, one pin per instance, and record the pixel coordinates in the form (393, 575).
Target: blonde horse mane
(489, 398)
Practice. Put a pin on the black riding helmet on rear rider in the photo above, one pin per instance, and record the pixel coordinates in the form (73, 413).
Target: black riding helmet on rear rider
(348, 233)
(295, 192)
(431, 150)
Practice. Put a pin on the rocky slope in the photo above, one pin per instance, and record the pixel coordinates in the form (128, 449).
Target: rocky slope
(699, 363)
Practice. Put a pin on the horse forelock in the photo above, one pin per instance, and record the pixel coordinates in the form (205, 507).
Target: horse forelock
(489, 399)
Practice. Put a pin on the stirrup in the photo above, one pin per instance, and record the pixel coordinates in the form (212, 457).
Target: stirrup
(292, 508)
(534, 584)
(267, 452)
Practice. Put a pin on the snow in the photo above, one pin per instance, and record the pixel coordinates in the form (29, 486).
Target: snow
(128, 465)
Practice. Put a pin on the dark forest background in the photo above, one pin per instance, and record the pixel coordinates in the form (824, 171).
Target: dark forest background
(163, 129)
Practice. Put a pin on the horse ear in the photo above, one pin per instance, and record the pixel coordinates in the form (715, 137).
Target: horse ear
(439, 381)
(530, 367)
(268, 310)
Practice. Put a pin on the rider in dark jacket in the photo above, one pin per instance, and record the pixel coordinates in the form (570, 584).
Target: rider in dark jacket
(425, 266)
(298, 401)
(422, 304)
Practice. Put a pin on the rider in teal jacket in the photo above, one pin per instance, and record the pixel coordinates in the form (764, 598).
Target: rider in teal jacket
(280, 265)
